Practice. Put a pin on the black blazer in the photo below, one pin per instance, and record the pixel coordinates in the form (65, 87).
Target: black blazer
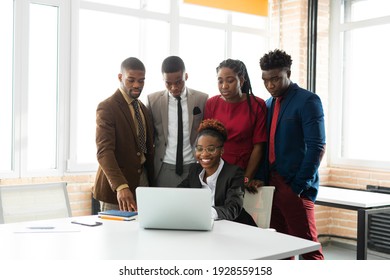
(229, 192)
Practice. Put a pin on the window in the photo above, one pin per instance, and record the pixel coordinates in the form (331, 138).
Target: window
(151, 31)
(104, 41)
(203, 13)
(30, 114)
(202, 61)
(42, 97)
(360, 136)
(6, 85)
(250, 48)
(60, 58)
(120, 3)
(156, 33)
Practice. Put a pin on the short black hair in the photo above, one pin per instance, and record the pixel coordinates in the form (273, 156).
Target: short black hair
(132, 63)
(173, 64)
(275, 59)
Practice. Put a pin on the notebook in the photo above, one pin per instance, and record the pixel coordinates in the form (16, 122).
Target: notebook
(174, 208)
(117, 215)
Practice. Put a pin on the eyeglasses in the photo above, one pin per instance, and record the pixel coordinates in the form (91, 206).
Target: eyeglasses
(209, 149)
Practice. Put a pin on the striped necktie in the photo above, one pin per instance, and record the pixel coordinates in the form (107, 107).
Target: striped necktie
(141, 129)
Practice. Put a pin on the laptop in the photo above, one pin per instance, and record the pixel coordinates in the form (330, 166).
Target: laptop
(174, 208)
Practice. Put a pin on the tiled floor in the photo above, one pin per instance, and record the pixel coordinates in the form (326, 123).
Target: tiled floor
(340, 251)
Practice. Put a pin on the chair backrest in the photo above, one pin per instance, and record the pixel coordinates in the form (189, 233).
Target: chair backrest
(31, 202)
(259, 205)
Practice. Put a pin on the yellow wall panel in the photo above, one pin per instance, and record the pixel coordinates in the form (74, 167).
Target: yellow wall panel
(255, 7)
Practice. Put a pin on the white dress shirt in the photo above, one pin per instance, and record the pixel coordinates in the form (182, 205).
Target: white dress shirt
(170, 153)
(211, 183)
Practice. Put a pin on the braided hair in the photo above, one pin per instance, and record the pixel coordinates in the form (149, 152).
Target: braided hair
(238, 67)
(214, 128)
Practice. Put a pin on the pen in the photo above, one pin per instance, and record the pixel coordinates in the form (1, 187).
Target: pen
(116, 218)
(44, 227)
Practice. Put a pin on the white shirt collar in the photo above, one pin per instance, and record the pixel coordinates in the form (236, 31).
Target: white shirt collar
(211, 181)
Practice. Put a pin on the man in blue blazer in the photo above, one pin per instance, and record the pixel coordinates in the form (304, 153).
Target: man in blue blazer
(295, 124)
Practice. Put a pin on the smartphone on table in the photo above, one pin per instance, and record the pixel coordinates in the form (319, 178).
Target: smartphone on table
(87, 223)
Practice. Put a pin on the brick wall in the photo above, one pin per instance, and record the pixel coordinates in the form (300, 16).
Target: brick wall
(289, 20)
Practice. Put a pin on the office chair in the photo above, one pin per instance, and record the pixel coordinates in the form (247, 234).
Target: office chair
(259, 205)
(32, 202)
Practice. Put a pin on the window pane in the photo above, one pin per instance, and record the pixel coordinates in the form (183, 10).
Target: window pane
(136, 4)
(160, 6)
(249, 48)
(105, 40)
(42, 88)
(364, 76)
(6, 70)
(156, 34)
(355, 10)
(202, 59)
(204, 13)
(248, 20)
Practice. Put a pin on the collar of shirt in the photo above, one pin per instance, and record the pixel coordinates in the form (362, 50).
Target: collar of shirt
(128, 99)
(183, 94)
(211, 181)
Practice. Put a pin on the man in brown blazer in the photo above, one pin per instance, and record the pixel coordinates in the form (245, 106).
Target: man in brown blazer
(124, 140)
(164, 107)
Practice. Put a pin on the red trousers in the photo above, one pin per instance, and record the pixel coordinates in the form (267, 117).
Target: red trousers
(293, 215)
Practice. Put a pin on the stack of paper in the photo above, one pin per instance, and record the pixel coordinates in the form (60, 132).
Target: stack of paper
(117, 215)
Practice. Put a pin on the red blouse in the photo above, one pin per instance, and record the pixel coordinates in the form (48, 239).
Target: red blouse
(244, 127)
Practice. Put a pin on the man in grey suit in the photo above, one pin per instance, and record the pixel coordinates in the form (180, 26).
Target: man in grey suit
(176, 113)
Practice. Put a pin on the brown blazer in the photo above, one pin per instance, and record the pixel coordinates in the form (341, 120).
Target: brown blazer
(118, 151)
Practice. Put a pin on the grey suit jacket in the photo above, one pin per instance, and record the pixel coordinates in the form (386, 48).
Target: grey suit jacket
(157, 103)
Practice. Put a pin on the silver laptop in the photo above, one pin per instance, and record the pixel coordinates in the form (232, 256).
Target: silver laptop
(174, 208)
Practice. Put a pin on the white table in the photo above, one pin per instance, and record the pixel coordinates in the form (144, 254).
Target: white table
(119, 240)
(364, 202)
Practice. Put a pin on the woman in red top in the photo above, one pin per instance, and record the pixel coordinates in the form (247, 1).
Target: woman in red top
(244, 116)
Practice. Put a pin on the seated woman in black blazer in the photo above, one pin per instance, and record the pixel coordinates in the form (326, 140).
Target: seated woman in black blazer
(225, 181)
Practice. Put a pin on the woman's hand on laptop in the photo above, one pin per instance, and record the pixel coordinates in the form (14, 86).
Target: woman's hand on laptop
(126, 200)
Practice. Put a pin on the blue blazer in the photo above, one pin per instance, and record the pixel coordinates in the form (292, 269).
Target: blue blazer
(299, 140)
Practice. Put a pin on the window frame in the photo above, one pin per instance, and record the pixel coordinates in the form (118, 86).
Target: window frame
(336, 87)
(20, 89)
(174, 19)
